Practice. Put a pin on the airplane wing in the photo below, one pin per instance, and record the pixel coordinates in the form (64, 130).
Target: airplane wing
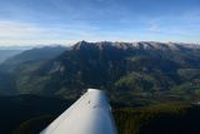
(91, 114)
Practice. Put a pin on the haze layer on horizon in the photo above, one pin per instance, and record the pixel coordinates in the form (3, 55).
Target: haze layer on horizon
(30, 22)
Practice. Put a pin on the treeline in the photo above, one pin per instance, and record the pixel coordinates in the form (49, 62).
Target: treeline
(144, 120)
(31, 114)
(131, 121)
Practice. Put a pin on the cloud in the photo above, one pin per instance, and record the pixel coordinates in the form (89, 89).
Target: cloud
(13, 29)
(12, 33)
(98, 25)
(154, 28)
(183, 27)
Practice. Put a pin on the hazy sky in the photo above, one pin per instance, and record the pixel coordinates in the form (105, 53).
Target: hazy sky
(29, 22)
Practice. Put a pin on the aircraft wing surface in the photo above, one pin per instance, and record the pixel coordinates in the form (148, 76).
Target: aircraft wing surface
(91, 114)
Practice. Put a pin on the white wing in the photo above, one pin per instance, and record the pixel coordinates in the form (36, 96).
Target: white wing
(91, 114)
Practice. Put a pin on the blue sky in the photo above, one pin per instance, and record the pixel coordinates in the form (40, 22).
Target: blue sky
(32, 22)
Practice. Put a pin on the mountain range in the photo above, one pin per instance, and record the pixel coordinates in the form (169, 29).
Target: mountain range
(127, 71)
(4, 54)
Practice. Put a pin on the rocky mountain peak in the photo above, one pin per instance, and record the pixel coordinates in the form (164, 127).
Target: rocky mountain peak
(145, 45)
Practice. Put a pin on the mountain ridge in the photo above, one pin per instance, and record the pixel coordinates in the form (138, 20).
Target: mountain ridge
(141, 44)
(127, 71)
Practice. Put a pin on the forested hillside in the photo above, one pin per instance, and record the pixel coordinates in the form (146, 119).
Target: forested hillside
(29, 114)
(133, 73)
(14, 69)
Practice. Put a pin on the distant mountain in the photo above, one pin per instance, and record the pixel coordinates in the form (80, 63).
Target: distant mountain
(26, 61)
(4, 54)
(9, 51)
(128, 71)
(33, 55)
